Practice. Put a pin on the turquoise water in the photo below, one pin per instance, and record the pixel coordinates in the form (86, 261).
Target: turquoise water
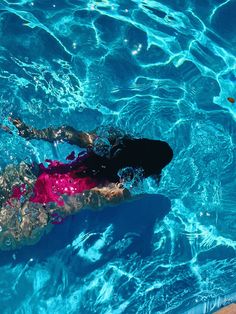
(159, 69)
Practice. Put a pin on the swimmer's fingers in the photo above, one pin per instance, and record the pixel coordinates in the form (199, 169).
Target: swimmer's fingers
(17, 122)
(23, 129)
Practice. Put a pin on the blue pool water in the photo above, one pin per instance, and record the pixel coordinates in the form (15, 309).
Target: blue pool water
(158, 69)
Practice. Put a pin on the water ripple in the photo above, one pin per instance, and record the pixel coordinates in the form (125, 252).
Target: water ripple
(159, 69)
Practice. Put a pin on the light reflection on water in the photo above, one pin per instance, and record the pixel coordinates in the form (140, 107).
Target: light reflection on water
(157, 69)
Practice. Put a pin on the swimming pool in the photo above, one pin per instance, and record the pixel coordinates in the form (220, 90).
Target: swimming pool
(160, 69)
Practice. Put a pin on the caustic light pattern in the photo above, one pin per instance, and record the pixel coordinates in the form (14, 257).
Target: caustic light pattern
(157, 69)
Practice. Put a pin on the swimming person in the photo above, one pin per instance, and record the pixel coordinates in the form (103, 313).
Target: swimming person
(34, 197)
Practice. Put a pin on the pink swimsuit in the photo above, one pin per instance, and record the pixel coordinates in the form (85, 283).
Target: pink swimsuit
(57, 179)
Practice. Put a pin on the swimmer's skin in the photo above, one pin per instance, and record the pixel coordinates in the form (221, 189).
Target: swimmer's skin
(150, 155)
(230, 309)
(25, 223)
(63, 133)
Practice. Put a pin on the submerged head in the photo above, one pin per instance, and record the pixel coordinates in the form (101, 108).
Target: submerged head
(150, 155)
(155, 156)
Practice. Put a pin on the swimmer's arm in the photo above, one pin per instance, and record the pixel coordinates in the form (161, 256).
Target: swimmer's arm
(63, 133)
(95, 198)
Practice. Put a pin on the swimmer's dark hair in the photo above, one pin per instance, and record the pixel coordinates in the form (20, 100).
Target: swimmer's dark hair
(151, 155)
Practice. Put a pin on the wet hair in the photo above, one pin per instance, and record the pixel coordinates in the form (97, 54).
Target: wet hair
(150, 155)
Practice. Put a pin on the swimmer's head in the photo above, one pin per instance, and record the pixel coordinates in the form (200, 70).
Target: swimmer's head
(150, 155)
(155, 156)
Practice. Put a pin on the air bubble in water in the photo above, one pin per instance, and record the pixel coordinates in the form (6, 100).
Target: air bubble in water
(101, 146)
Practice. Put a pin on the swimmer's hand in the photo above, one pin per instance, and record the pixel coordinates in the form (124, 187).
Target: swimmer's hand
(23, 129)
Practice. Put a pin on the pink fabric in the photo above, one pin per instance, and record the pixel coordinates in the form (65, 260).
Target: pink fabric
(50, 187)
(58, 179)
(18, 191)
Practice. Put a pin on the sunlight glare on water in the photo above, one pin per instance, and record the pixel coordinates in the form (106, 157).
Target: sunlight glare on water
(157, 69)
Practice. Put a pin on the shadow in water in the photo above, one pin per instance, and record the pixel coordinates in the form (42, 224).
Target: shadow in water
(131, 227)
